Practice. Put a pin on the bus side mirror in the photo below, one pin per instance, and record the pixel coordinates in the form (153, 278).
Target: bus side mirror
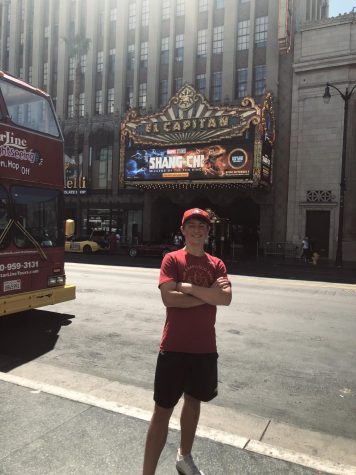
(69, 228)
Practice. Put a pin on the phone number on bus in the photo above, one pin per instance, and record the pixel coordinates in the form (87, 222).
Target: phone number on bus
(19, 265)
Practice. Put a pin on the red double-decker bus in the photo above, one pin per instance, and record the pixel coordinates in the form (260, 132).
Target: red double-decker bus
(31, 200)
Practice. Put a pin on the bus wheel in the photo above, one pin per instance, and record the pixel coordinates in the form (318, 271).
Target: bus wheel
(87, 249)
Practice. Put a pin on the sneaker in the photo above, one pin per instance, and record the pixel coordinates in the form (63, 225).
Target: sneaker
(186, 466)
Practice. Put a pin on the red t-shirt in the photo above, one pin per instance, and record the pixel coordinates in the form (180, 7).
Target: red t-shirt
(190, 330)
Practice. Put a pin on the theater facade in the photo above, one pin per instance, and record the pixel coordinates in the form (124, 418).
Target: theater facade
(194, 154)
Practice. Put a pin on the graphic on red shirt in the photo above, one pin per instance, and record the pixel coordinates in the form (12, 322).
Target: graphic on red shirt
(190, 330)
(198, 275)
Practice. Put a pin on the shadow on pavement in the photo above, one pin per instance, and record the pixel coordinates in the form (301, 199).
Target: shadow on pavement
(268, 267)
(27, 335)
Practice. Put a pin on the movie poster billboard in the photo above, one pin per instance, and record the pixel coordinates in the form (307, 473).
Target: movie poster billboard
(266, 162)
(190, 162)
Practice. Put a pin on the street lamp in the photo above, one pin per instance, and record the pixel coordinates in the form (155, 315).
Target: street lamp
(346, 97)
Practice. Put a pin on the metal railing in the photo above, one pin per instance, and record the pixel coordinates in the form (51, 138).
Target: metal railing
(282, 249)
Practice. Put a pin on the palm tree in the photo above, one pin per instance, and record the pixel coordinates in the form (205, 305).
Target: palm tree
(77, 47)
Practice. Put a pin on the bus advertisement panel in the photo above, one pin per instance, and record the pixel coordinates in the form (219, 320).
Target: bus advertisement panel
(31, 200)
(190, 162)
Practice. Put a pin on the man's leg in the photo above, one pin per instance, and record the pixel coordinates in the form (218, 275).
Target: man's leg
(156, 438)
(188, 422)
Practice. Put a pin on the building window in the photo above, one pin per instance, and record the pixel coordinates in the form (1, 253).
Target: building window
(260, 79)
(46, 31)
(22, 39)
(21, 73)
(218, 39)
(71, 69)
(243, 35)
(165, 9)
(81, 104)
(132, 16)
(129, 96)
(100, 61)
(203, 6)
(101, 172)
(164, 50)
(216, 86)
(178, 83)
(113, 14)
(111, 100)
(83, 63)
(130, 57)
(179, 47)
(45, 74)
(202, 43)
(70, 106)
(163, 92)
(144, 54)
(112, 56)
(99, 102)
(201, 83)
(142, 95)
(219, 4)
(241, 83)
(180, 8)
(261, 29)
(30, 74)
(145, 13)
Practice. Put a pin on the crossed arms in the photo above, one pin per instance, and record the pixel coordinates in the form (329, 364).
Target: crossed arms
(186, 295)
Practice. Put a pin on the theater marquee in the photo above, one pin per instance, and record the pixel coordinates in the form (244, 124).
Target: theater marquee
(190, 143)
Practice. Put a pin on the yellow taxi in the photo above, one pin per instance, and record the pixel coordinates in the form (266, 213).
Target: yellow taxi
(85, 246)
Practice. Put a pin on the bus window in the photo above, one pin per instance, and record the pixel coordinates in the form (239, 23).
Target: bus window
(28, 109)
(4, 218)
(38, 210)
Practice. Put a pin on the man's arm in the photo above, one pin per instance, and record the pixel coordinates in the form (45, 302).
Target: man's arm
(172, 298)
(218, 294)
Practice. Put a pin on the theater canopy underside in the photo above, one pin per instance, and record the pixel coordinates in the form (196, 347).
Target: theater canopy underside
(192, 144)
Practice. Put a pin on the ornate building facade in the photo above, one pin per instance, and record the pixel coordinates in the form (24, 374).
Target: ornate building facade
(100, 60)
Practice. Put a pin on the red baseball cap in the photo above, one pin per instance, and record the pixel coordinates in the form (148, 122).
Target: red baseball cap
(196, 213)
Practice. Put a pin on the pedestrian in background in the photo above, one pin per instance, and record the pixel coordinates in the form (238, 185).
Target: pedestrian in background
(192, 284)
(306, 249)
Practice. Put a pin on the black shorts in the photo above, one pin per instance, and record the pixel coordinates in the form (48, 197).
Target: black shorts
(195, 374)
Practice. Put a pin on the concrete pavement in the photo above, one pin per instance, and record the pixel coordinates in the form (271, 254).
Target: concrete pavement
(46, 434)
(63, 431)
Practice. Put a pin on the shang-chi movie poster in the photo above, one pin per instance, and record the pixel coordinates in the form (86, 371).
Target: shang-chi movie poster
(190, 162)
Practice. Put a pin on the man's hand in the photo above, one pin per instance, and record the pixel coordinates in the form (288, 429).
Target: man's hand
(221, 283)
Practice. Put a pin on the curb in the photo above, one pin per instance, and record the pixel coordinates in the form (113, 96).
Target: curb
(222, 437)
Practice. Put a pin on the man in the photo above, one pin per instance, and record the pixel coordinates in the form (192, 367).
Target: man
(306, 249)
(192, 284)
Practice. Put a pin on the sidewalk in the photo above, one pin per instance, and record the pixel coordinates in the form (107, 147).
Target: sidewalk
(289, 268)
(44, 434)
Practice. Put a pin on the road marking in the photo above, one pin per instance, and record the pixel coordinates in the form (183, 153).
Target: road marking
(222, 437)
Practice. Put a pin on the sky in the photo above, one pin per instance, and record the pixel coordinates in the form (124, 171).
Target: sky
(341, 6)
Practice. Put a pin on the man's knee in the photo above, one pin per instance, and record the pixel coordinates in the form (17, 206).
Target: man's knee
(192, 402)
(161, 415)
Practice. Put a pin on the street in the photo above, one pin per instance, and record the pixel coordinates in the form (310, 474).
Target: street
(287, 374)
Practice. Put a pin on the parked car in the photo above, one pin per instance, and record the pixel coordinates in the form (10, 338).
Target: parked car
(151, 249)
(85, 246)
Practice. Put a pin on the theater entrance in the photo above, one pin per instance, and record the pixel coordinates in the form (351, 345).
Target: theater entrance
(235, 222)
